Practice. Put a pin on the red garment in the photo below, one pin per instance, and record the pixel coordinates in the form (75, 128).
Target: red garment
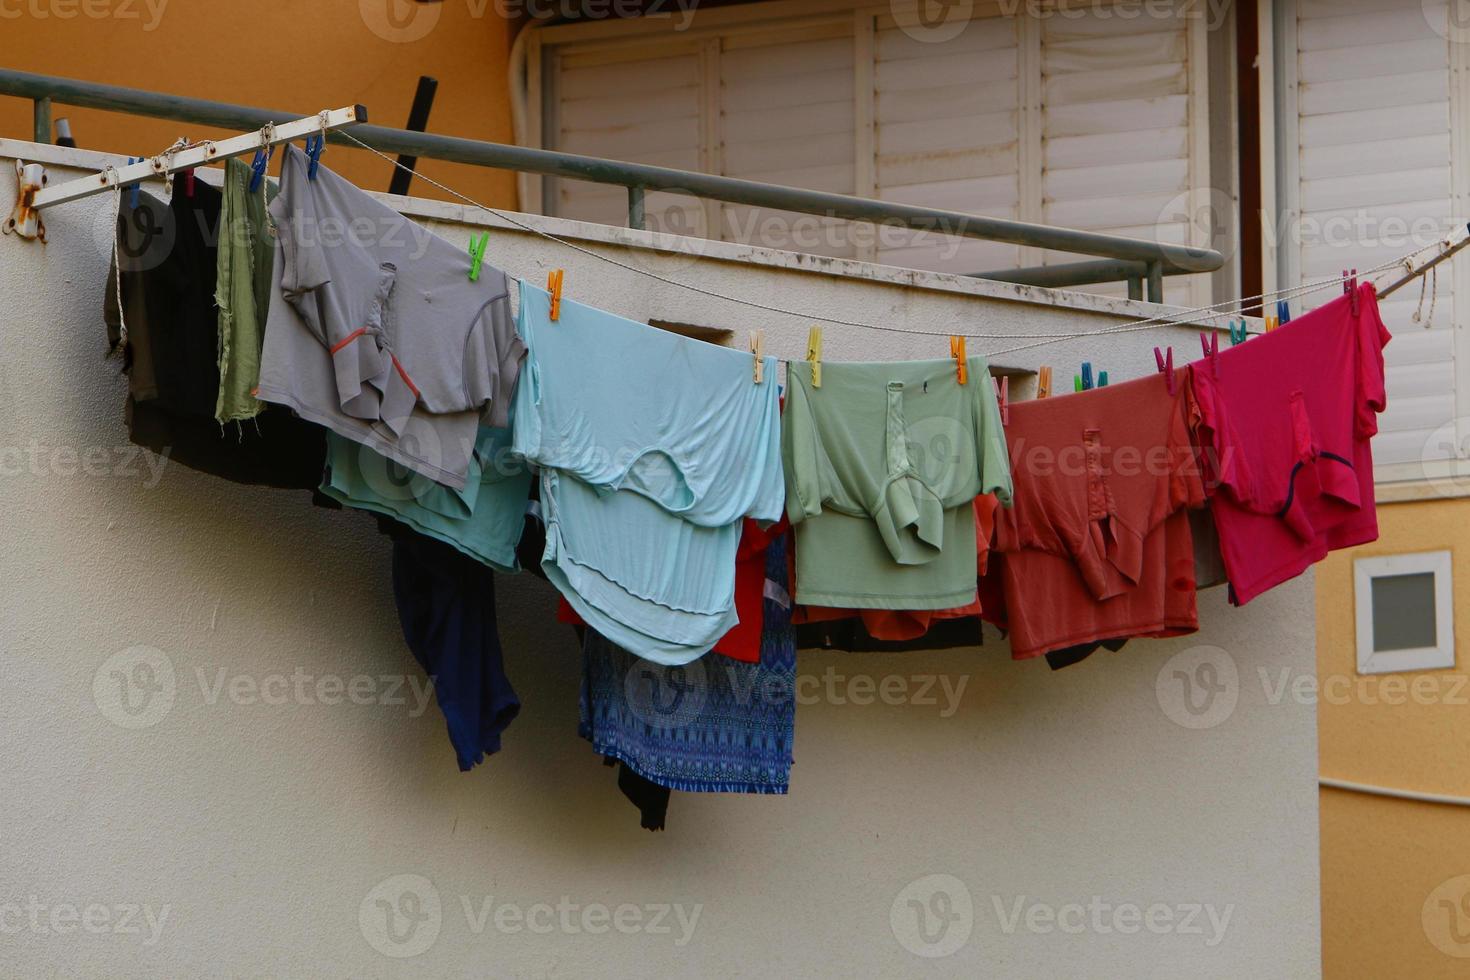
(910, 624)
(1097, 543)
(743, 641)
(1305, 398)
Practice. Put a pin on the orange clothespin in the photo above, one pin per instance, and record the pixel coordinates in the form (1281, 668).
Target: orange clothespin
(1271, 323)
(1043, 383)
(957, 351)
(553, 286)
(758, 348)
(1003, 398)
(814, 354)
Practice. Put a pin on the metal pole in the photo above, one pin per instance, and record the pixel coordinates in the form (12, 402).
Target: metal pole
(41, 114)
(1135, 287)
(635, 207)
(1155, 282)
(418, 121)
(551, 163)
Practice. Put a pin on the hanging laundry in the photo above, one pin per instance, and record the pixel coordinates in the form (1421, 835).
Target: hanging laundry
(167, 333)
(743, 640)
(484, 520)
(242, 292)
(903, 625)
(716, 726)
(376, 330)
(1297, 480)
(652, 447)
(446, 607)
(883, 464)
(1097, 546)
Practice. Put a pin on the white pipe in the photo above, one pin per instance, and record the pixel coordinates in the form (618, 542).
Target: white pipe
(1397, 794)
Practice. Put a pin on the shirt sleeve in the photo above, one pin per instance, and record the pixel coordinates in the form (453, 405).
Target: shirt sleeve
(1373, 336)
(990, 436)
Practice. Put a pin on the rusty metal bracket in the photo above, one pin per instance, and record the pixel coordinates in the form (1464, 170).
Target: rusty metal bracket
(25, 219)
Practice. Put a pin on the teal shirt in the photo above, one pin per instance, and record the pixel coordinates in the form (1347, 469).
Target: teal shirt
(484, 520)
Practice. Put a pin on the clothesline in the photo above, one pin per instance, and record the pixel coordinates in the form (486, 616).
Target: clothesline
(1196, 316)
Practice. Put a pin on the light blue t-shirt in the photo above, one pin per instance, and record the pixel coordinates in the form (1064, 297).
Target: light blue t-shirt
(652, 448)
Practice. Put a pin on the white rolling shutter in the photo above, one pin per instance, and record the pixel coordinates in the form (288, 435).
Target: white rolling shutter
(786, 117)
(1372, 120)
(1120, 143)
(1098, 127)
(947, 135)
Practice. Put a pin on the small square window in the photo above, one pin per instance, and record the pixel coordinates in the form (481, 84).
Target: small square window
(1405, 612)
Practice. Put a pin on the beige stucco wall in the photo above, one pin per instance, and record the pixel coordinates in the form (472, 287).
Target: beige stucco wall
(1088, 822)
(1389, 864)
(300, 57)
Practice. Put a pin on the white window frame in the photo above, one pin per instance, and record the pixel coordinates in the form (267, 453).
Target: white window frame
(1437, 657)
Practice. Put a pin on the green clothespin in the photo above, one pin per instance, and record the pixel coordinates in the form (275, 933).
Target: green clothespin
(1076, 382)
(1237, 332)
(1102, 379)
(477, 253)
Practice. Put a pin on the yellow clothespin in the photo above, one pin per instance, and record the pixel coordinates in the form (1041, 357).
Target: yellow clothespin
(758, 348)
(553, 286)
(1271, 323)
(957, 351)
(1043, 383)
(814, 354)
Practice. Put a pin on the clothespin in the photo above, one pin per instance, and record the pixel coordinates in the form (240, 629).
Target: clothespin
(133, 188)
(957, 351)
(1210, 344)
(189, 182)
(1271, 323)
(1076, 382)
(1166, 366)
(1102, 379)
(1043, 382)
(1283, 311)
(814, 354)
(1003, 398)
(1086, 375)
(758, 348)
(314, 147)
(258, 165)
(1237, 332)
(553, 286)
(1353, 292)
(477, 253)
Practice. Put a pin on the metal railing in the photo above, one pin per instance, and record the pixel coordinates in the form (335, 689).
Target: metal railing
(1141, 263)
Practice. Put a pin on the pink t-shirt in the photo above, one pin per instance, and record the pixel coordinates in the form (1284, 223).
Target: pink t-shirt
(1299, 406)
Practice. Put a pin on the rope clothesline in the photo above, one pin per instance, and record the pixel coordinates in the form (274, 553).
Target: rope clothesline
(1196, 316)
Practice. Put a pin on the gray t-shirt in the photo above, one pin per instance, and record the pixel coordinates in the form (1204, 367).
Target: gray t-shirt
(377, 332)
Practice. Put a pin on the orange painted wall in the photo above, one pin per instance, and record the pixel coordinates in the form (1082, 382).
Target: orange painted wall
(295, 55)
(1389, 866)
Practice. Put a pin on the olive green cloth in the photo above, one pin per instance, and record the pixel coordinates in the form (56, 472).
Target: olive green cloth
(883, 463)
(242, 291)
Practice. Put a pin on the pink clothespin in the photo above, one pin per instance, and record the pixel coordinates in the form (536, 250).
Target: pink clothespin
(1003, 398)
(1210, 344)
(1353, 292)
(1166, 366)
(189, 182)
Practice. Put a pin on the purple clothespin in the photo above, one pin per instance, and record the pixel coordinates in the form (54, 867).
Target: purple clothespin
(1166, 366)
(1210, 344)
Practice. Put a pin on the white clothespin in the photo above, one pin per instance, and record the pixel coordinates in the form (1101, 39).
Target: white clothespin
(758, 348)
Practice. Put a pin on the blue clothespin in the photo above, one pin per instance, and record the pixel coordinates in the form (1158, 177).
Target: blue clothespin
(314, 146)
(1283, 311)
(1086, 375)
(1238, 334)
(133, 188)
(477, 253)
(258, 165)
